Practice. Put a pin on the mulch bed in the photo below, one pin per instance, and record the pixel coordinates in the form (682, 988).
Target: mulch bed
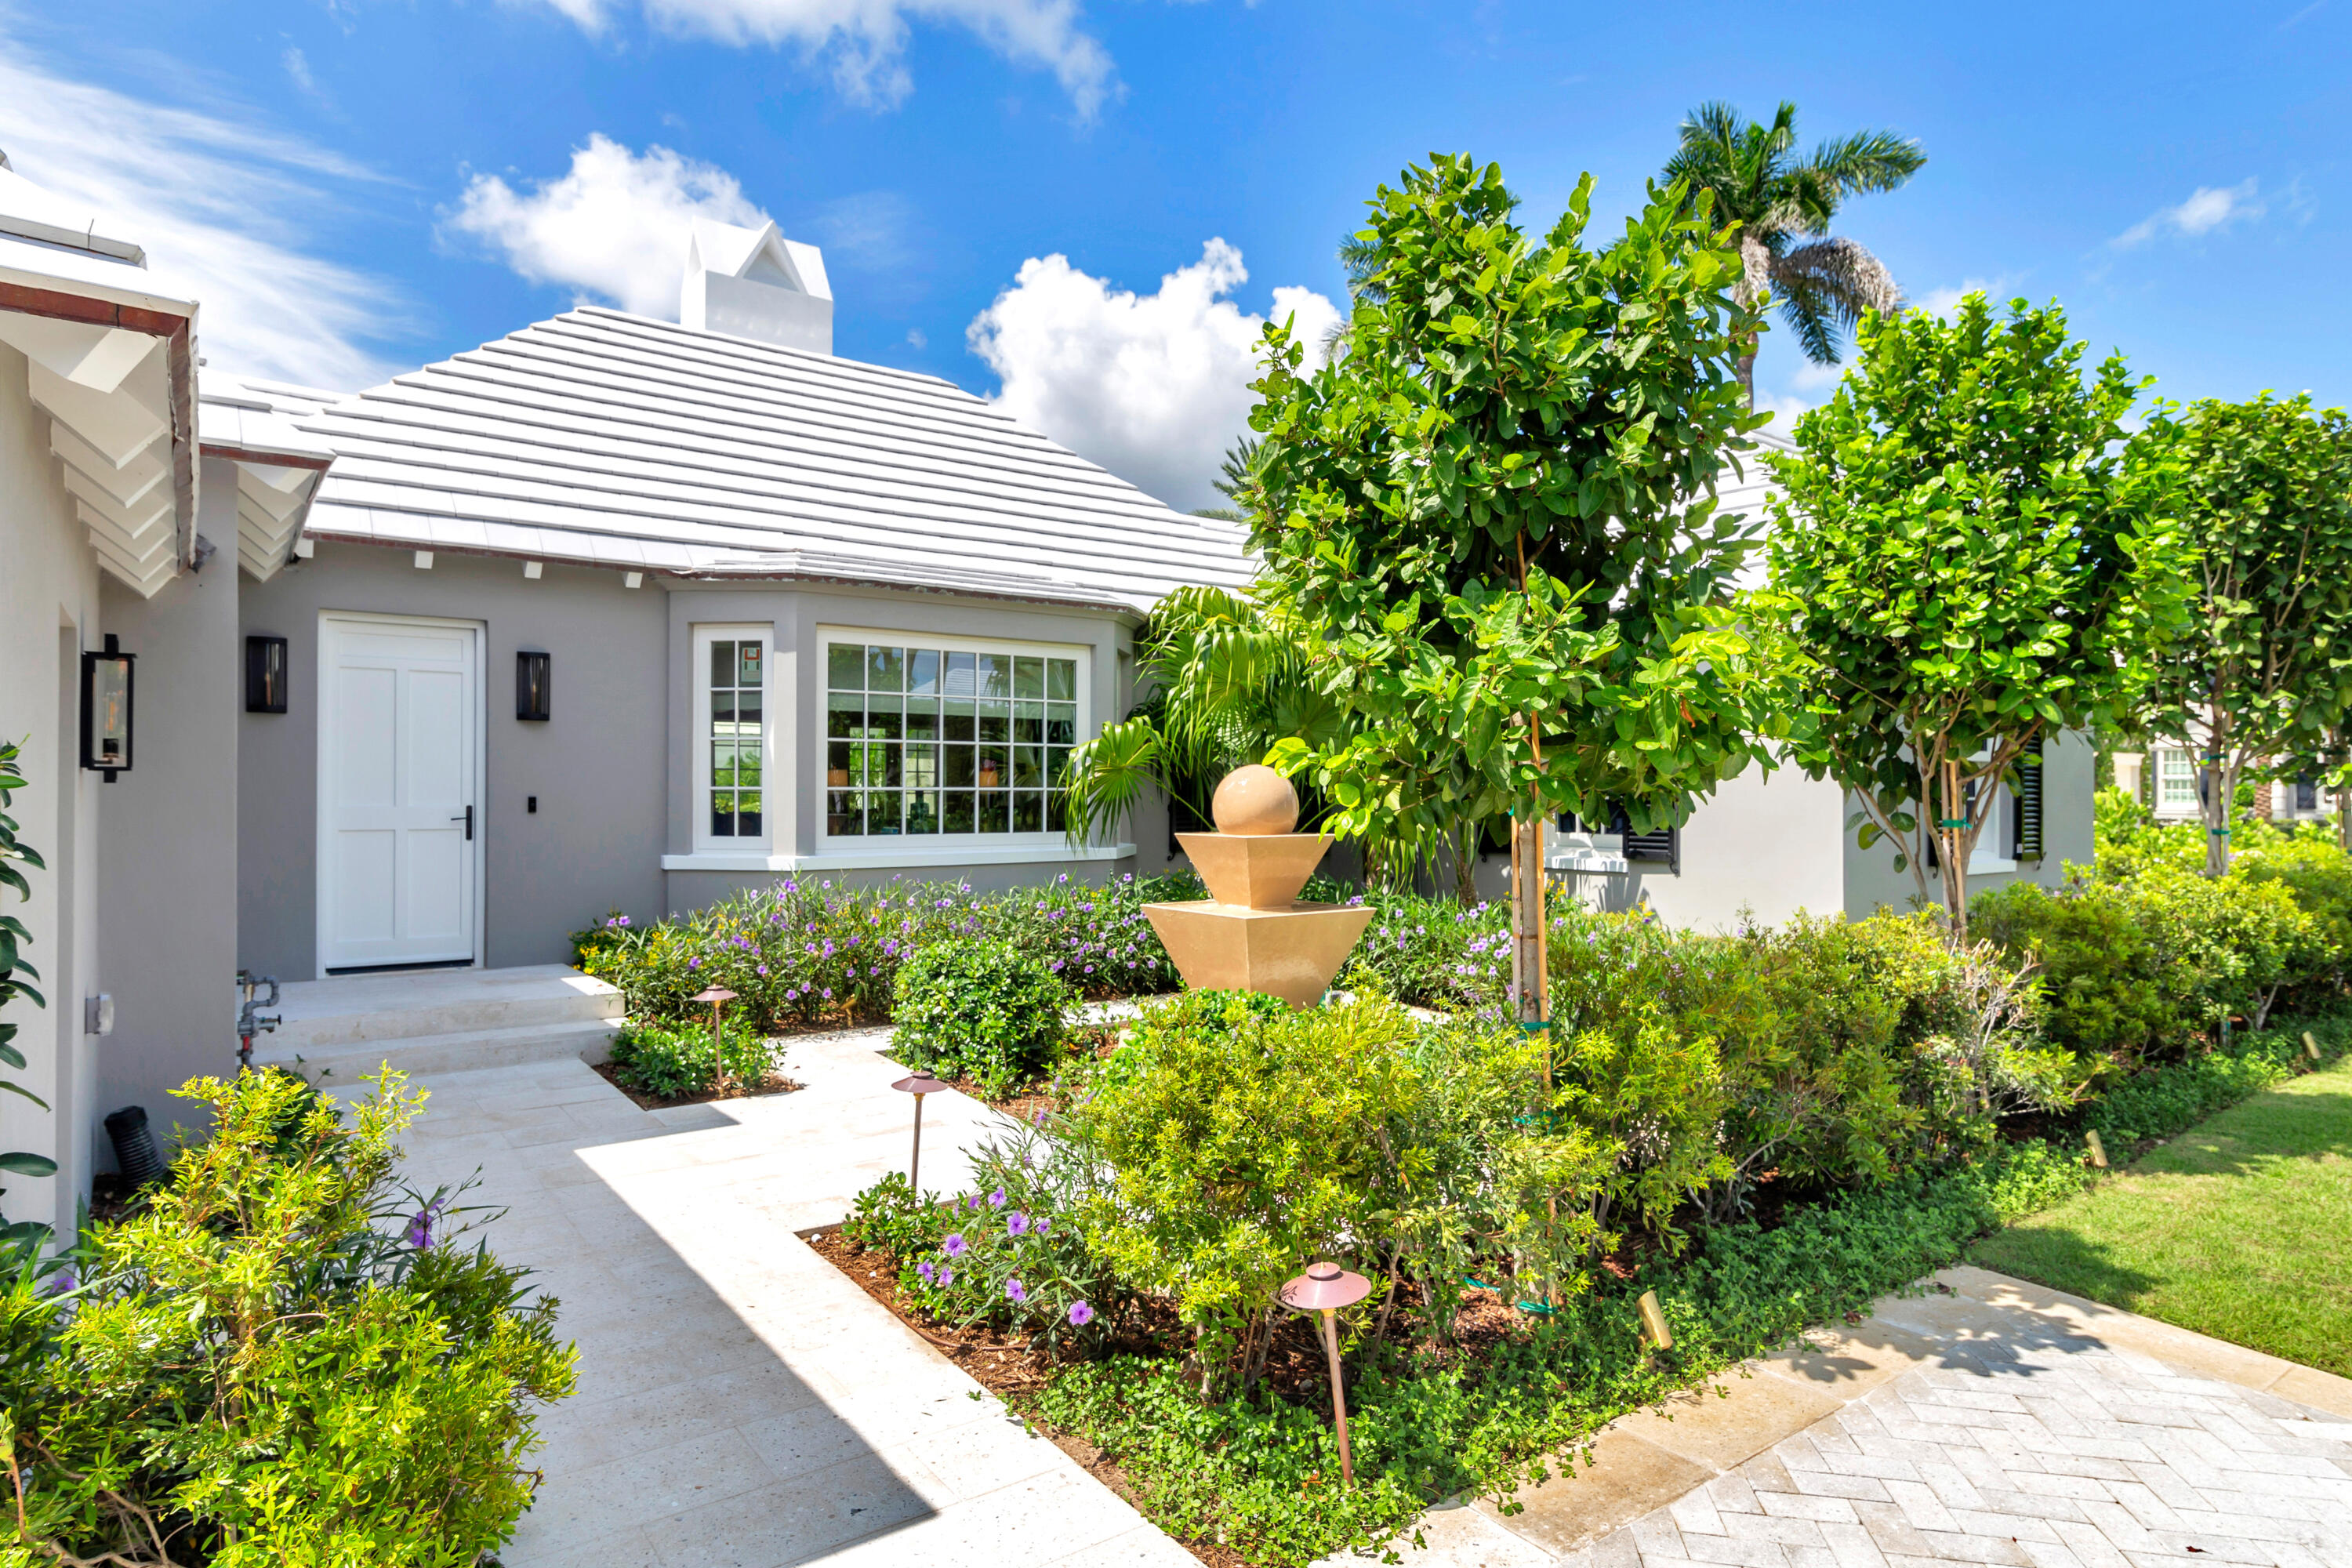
(774, 1083)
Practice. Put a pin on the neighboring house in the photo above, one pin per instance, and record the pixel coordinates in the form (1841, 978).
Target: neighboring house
(767, 611)
(1768, 845)
(2172, 785)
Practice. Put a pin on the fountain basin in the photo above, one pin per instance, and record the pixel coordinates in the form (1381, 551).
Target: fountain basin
(1291, 952)
(1258, 871)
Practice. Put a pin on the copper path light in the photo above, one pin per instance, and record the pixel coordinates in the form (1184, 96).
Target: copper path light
(918, 1085)
(1326, 1288)
(718, 996)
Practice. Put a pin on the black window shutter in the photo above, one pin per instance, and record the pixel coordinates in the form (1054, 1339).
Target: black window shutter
(1659, 846)
(2025, 804)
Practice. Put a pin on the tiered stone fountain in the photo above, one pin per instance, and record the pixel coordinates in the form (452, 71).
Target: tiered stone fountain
(1251, 933)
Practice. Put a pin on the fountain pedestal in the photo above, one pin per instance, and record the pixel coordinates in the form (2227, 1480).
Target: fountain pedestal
(1251, 933)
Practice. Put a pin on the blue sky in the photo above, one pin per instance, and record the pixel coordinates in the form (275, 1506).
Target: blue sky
(357, 186)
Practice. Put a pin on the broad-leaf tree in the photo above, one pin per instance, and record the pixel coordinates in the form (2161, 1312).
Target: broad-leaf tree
(1783, 202)
(2264, 670)
(1494, 510)
(1969, 565)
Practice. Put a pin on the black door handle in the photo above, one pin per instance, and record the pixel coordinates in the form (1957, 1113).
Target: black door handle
(468, 820)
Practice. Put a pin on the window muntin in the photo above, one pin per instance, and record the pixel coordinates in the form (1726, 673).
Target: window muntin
(936, 741)
(2176, 778)
(731, 710)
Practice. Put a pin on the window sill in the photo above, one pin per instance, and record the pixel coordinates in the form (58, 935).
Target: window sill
(1989, 865)
(879, 859)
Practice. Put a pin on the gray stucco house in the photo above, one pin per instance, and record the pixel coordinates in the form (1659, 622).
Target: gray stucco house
(762, 611)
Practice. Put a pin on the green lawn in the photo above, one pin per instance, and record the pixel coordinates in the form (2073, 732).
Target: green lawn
(2240, 1227)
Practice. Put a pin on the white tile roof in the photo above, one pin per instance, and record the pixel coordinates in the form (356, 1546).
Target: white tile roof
(251, 422)
(624, 441)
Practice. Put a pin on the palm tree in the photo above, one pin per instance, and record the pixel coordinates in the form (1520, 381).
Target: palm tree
(1236, 474)
(1783, 206)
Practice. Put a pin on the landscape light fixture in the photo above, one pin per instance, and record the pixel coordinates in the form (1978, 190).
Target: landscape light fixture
(918, 1085)
(1653, 1321)
(533, 673)
(718, 996)
(1326, 1288)
(106, 708)
(2098, 1151)
(2310, 1045)
(265, 675)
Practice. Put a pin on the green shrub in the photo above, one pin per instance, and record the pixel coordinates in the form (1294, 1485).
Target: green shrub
(979, 1007)
(266, 1365)
(676, 1061)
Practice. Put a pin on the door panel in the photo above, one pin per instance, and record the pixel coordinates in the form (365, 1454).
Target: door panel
(398, 744)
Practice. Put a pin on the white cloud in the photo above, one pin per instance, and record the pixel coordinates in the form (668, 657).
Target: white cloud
(613, 228)
(2208, 208)
(1811, 377)
(864, 42)
(1784, 410)
(225, 207)
(1151, 386)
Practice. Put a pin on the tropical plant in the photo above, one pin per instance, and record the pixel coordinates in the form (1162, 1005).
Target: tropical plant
(677, 1061)
(1784, 204)
(15, 854)
(2263, 672)
(1235, 482)
(1494, 517)
(1968, 565)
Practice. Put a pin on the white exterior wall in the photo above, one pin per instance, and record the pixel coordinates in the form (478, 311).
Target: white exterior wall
(1763, 847)
(48, 611)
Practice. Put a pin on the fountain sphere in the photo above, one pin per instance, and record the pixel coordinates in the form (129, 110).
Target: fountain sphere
(1254, 802)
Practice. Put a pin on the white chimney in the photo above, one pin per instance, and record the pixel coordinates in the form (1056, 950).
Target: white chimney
(755, 283)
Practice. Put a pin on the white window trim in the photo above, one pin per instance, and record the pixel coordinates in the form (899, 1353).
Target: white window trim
(940, 848)
(1059, 852)
(699, 672)
(2191, 806)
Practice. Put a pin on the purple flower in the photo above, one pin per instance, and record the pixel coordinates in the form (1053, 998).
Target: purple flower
(926, 1270)
(420, 1227)
(828, 993)
(694, 964)
(1080, 1314)
(1043, 1224)
(954, 1244)
(996, 1199)
(763, 969)
(1015, 1223)
(60, 1283)
(947, 1276)
(1014, 1290)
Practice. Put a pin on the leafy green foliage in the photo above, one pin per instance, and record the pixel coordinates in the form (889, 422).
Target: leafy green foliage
(804, 954)
(677, 1061)
(1492, 509)
(979, 1007)
(2262, 674)
(15, 973)
(264, 1365)
(1968, 565)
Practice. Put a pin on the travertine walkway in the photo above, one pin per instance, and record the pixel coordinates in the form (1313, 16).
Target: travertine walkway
(1988, 1421)
(742, 1405)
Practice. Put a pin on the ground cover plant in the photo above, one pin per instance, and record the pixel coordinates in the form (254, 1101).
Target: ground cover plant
(2239, 1229)
(676, 1063)
(281, 1356)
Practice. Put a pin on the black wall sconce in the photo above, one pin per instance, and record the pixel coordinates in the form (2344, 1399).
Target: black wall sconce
(265, 675)
(532, 671)
(106, 708)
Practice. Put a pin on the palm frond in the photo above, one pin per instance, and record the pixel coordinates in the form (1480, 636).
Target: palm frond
(1826, 287)
(1866, 162)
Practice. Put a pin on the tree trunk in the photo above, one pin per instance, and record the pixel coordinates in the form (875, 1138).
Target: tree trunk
(1755, 282)
(1952, 848)
(2221, 789)
(1528, 987)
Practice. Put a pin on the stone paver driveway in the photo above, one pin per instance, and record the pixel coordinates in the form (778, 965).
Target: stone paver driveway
(1988, 1421)
(742, 1404)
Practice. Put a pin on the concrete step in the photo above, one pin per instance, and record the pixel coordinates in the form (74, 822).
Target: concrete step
(351, 1062)
(319, 1016)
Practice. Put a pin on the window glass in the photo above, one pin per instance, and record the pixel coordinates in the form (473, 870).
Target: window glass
(933, 740)
(737, 741)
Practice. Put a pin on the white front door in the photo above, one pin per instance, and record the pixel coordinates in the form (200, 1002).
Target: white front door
(400, 820)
